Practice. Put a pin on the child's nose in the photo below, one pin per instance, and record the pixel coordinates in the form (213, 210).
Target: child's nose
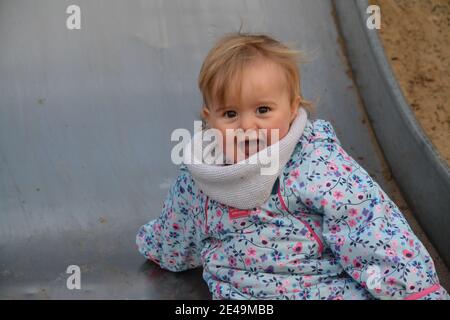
(248, 123)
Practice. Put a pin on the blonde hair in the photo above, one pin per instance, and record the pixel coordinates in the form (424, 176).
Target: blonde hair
(225, 62)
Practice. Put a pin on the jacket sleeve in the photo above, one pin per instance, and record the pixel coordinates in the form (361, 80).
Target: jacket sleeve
(363, 227)
(175, 239)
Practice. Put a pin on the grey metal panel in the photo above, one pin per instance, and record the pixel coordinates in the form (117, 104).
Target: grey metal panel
(421, 172)
(85, 123)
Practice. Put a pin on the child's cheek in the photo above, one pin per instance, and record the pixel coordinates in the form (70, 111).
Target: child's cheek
(276, 134)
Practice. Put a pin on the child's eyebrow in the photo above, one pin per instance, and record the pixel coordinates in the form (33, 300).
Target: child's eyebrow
(266, 101)
(222, 108)
(257, 103)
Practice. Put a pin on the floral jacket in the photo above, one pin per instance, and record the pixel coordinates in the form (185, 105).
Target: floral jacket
(328, 231)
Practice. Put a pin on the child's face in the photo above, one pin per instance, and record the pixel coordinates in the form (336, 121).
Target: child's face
(264, 104)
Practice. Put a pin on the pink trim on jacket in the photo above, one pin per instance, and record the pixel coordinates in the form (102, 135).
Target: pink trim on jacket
(235, 213)
(423, 293)
(206, 214)
(149, 256)
(316, 237)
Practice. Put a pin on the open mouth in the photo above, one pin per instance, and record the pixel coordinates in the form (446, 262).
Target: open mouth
(251, 146)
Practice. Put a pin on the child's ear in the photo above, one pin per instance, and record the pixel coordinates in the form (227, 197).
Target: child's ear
(205, 116)
(205, 113)
(294, 107)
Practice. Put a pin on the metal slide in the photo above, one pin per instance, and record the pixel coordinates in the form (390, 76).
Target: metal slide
(85, 122)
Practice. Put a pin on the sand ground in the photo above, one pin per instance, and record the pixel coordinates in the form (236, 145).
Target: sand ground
(416, 38)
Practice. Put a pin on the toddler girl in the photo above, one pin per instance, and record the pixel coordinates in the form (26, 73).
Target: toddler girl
(318, 227)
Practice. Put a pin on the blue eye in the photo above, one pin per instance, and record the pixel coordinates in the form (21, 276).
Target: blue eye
(263, 109)
(230, 114)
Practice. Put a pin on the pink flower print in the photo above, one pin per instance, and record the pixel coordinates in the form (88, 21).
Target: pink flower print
(219, 213)
(218, 290)
(391, 281)
(298, 247)
(360, 196)
(347, 168)
(390, 252)
(308, 202)
(408, 254)
(264, 240)
(339, 297)
(352, 223)
(297, 262)
(411, 242)
(353, 212)
(335, 228)
(313, 189)
(295, 173)
(377, 236)
(355, 275)
(232, 261)
(394, 244)
(171, 261)
(332, 166)
(340, 240)
(219, 227)
(357, 263)
(338, 195)
(323, 202)
(328, 184)
(346, 259)
(251, 252)
(157, 227)
(176, 226)
(318, 152)
(281, 290)
(248, 261)
(289, 182)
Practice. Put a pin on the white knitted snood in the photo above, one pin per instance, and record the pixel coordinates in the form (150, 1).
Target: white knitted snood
(241, 185)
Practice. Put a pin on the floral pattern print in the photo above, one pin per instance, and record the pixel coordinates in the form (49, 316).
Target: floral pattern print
(328, 231)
